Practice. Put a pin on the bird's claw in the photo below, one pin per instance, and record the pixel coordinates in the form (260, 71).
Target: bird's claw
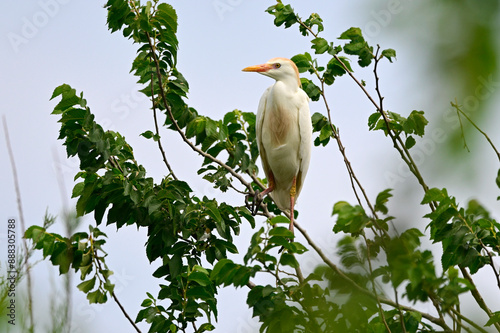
(253, 207)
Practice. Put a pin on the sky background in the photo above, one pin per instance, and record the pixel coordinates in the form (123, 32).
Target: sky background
(50, 42)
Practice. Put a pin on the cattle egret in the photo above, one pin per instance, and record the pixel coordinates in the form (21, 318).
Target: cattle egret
(284, 133)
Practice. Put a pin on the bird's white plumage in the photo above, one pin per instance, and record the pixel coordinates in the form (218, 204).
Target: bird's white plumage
(284, 131)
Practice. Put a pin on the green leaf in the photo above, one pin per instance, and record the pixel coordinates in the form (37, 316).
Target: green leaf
(350, 219)
(77, 190)
(497, 180)
(168, 16)
(289, 260)
(325, 133)
(372, 120)
(415, 123)
(147, 302)
(206, 327)
(351, 33)
(219, 266)
(357, 46)
(86, 286)
(281, 231)
(434, 194)
(302, 61)
(495, 318)
(279, 219)
(382, 199)
(320, 45)
(199, 277)
(97, 297)
(213, 211)
(297, 247)
(149, 135)
(313, 20)
(336, 68)
(211, 128)
(175, 265)
(389, 54)
(410, 142)
(69, 98)
(283, 15)
(312, 90)
(35, 233)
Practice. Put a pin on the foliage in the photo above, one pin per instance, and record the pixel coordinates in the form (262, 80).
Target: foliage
(192, 236)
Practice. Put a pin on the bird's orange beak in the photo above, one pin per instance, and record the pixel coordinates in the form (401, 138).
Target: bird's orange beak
(257, 68)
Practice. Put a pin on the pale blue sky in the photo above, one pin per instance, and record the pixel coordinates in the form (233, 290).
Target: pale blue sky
(49, 42)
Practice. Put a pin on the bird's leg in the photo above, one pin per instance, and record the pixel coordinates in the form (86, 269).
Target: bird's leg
(259, 196)
(293, 192)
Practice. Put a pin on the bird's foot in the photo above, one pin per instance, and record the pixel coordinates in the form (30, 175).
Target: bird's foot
(248, 204)
(256, 202)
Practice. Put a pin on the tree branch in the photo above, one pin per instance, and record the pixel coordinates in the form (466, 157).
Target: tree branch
(396, 139)
(460, 317)
(460, 111)
(160, 146)
(114, 295)
(477, 296)
(125, 312)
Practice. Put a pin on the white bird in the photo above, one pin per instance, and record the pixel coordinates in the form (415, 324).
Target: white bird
(284, 133)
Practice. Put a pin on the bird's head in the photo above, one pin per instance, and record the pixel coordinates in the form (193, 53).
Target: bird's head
(280, 69)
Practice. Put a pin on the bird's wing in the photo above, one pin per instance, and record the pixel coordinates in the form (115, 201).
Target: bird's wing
(258, 131)
(305, 130)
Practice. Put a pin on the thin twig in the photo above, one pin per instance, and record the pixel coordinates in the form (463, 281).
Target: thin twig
(160, 146)
(125, 312)
(236, 190)
(401, 316)
(477, 296)
(350, 170)
(457, 107)
(114, 295)
(460, 317)
(21, 220)
(396, 139)
(372, 279)
(436, 305)
(459, 320)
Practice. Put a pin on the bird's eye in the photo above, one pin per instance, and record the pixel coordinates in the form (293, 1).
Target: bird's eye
(277, 65)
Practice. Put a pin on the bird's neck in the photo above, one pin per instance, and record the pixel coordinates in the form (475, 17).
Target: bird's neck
(290, 83)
